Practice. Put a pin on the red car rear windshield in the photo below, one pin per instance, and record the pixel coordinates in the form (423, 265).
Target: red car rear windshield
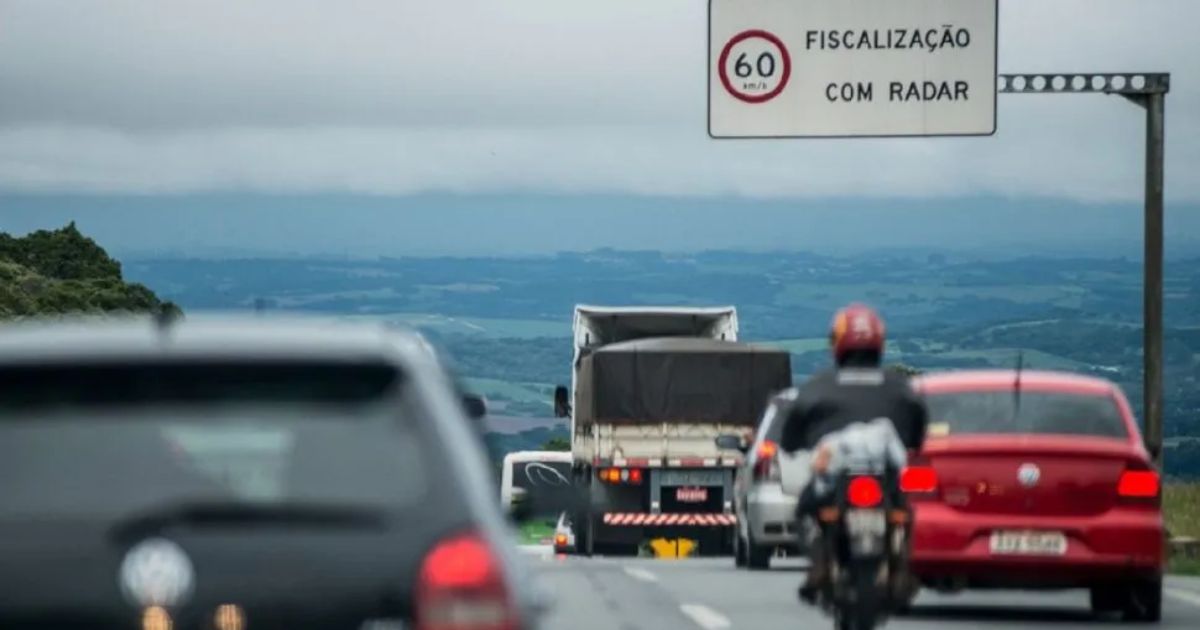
(1033, 412)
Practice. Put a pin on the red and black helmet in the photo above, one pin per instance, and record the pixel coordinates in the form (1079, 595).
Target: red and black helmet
(856, 328)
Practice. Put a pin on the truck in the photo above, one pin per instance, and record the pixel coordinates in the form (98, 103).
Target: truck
(651, 390)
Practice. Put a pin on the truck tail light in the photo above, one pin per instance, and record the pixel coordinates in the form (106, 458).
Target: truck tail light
(461, 586)
(631, 476)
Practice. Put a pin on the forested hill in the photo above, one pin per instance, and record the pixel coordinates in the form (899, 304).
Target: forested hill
(62, 271)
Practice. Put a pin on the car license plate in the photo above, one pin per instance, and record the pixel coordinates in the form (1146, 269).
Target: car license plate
(691, 495)
(1029, 543)
(865, 522)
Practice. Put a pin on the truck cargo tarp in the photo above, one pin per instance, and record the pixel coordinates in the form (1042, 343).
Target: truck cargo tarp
(679, 379)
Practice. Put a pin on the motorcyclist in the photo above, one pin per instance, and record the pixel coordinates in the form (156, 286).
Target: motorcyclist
(856, 389)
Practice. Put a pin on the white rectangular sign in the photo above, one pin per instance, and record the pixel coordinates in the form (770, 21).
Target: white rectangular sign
(846, 68)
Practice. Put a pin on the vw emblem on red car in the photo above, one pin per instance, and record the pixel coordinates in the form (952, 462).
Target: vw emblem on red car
(1028, 475)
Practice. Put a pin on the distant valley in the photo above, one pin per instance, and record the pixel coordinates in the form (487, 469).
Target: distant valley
(506, 321)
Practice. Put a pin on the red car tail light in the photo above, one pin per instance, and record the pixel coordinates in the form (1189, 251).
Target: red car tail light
(461, 587)
(766, 462)
(864, 492)
(1138, 484)
(918, 480)
(635, 476)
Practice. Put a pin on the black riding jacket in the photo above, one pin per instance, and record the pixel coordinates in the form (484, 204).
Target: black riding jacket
(834, 399)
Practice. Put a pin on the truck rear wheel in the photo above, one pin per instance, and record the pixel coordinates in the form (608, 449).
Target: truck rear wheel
(728, 541)
(590, 545)
(584, 534)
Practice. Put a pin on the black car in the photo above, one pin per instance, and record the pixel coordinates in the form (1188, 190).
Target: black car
(236, 474)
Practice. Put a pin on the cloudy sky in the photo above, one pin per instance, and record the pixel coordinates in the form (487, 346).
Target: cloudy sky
(536, 106)
(586, 96)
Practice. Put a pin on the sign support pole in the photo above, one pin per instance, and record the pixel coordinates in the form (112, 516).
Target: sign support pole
(1149, 91)
(1152, 317)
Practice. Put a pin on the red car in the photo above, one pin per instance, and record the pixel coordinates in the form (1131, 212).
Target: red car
(1037, 480)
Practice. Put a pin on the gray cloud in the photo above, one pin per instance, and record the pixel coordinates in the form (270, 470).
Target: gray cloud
(405, 96)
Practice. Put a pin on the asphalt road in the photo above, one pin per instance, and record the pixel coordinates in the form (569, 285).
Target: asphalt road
(709, 594)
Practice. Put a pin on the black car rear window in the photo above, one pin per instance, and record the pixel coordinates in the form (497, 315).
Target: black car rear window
(1003, 412)
(106, 441)
(142, 383)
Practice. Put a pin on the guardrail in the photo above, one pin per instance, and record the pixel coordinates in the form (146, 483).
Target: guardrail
(1185, 547)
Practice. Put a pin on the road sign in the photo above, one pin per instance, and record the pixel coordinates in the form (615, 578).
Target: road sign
(846, 68)
(762, 80)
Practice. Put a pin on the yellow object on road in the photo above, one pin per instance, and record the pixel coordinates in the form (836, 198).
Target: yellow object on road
(672, 548)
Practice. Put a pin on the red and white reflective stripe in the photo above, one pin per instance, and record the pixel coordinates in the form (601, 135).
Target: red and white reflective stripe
(644, 518)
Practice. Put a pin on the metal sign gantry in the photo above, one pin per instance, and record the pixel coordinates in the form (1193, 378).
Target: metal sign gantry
(1148, 90)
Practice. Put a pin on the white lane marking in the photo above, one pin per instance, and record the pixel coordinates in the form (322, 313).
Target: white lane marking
(705, 617)
(1184, 596)
(640, 574)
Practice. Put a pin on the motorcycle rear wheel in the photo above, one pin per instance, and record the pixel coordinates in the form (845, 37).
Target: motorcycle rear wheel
(862, 613)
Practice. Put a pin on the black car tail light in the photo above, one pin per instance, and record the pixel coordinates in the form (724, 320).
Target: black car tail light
(462, 587)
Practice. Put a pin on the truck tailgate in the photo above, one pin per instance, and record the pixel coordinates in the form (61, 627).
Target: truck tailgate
(665, 441)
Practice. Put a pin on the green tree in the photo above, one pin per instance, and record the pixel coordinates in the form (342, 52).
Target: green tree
(557, 444)
(904, 369)
(62, 254)
(62, 271)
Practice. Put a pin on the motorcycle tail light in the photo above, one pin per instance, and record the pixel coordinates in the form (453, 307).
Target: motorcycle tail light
(864, 492)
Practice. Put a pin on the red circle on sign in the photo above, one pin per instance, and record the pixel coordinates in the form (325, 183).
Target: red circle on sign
(783, 79)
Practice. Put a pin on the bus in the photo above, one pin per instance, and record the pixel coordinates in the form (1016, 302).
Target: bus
(546, 478)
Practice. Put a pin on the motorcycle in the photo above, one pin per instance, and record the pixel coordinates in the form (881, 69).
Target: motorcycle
(864, 528)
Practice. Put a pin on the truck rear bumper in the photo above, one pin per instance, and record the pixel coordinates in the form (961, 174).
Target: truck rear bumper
(642, 519)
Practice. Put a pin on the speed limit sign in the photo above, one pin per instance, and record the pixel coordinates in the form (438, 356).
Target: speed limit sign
(851, 68)
(754, 66)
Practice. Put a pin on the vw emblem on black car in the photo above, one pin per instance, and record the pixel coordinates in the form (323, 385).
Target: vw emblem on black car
(156, 572)
(1028, 475)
